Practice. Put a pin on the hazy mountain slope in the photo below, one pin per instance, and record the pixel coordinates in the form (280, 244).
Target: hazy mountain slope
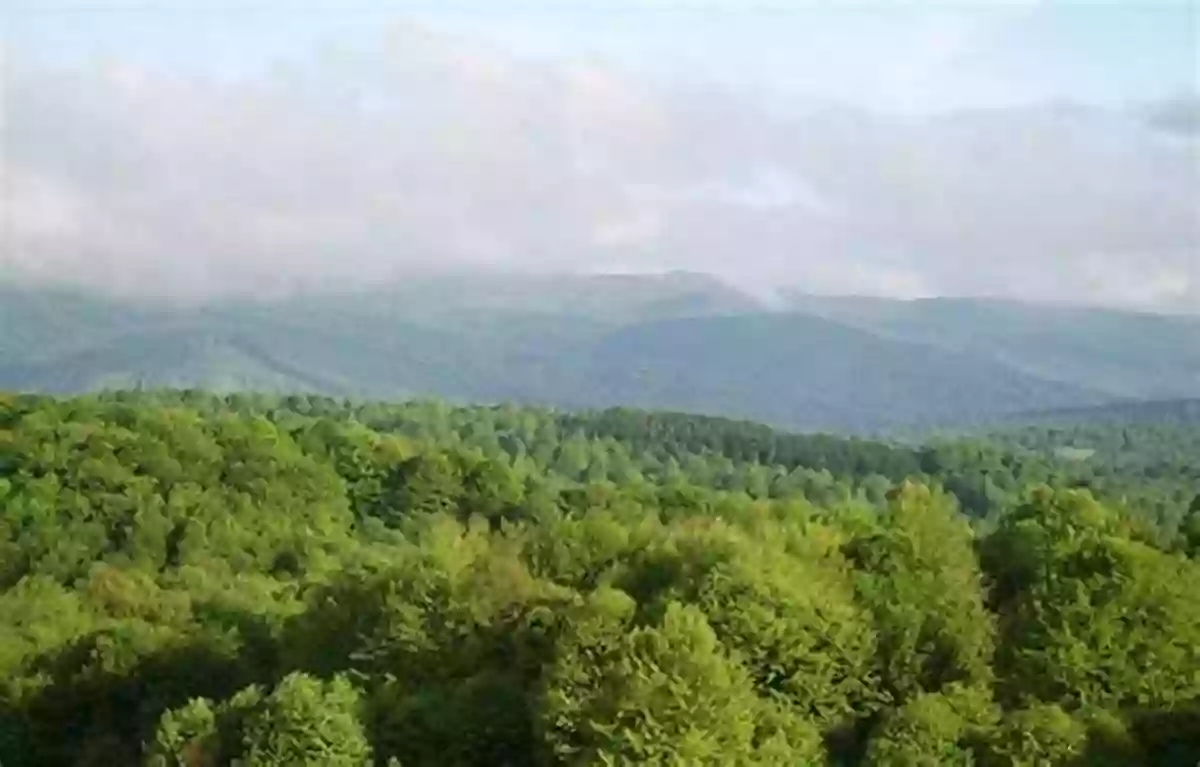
(177, 357)
(43, 323)
(1139, 356)
(452, 299)
(278, 349)
(614, 297)
(677, 341)
(801, 372)
(1174, 412)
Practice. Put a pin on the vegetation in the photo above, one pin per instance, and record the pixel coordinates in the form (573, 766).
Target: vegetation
(187, 579)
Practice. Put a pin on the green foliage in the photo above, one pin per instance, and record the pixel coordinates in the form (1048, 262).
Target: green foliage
(303, 721)
(663, 694)
(306, 722)
(1092, 617)
(936, 728)
(186, 737)
(195, 580)
(920, 576)
(779, 611)
(1042, 735)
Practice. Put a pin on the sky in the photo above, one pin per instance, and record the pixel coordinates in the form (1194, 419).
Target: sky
(899, 53)
(1039, 149)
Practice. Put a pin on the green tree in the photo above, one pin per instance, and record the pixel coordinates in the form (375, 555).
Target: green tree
(1042, 735)
(665, 694)
(305, 721)
(920, 577)
(1093, 617)
(933, 729)
(302, 721)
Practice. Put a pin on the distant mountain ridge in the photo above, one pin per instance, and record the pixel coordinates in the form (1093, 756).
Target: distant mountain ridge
(676, 341)
(1126, 355)
(1176, 412)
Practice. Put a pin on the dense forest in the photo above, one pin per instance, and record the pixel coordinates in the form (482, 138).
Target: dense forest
(191, 579)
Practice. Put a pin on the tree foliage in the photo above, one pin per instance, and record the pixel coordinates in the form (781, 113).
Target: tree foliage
(194, 580)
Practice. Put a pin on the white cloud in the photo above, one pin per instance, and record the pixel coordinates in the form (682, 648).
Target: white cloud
(435, 151)
(1144, 280)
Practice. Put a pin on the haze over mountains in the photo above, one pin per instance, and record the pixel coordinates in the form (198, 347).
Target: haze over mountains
(678, 341)
(167, 221)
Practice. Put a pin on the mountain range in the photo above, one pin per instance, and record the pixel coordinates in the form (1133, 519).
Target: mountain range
(676, 341)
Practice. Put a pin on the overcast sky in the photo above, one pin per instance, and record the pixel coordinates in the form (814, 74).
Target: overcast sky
(1046, 150)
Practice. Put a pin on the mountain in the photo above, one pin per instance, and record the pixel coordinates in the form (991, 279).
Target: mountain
(1120, 354)
(803, 372)
(1179, 412)
(673, 341)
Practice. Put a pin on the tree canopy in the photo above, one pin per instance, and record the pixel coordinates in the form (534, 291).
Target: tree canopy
(187, 579)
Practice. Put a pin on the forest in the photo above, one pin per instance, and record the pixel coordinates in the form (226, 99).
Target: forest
(191, 579)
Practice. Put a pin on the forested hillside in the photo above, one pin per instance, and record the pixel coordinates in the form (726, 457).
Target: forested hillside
(676, 341)
(188, 579)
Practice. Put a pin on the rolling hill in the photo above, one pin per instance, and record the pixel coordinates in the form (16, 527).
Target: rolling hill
(676, 341)
(1122, 354)
(1178, 412)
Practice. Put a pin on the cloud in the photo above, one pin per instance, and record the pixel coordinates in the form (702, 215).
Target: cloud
(1179, 115)
(432, 150)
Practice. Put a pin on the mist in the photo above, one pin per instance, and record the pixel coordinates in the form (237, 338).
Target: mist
(427, 150)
